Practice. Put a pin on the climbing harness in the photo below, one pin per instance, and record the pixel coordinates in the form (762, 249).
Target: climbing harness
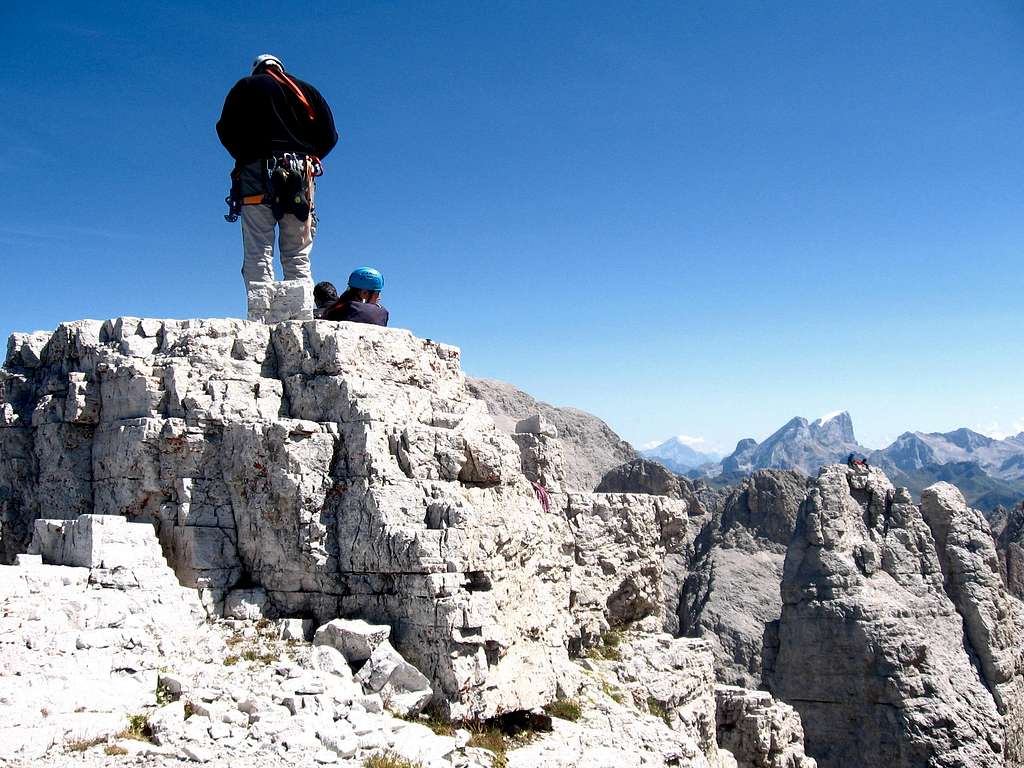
(288, 181)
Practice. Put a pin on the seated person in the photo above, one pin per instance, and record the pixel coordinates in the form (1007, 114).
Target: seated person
(324, 294)
(361, 302)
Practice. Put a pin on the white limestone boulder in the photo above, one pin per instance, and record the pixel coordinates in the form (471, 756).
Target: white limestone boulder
(404, 689)
(355, 639)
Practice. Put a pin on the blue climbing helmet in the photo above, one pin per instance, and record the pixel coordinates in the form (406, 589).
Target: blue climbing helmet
(366, 279)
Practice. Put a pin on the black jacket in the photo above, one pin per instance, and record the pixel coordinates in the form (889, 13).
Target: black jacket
(355, 311)
(262, 118)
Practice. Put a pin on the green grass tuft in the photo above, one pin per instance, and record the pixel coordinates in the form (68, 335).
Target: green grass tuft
(608, 650)
(565, 709)
(390, 760)
(254, 655)
(655, 707)
(83, 744)
(488, 736)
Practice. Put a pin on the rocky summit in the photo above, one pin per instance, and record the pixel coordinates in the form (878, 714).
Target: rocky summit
(311, 543)
(232, 542)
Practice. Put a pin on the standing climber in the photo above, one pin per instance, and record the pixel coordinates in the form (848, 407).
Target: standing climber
(278, 129)
(361, 302)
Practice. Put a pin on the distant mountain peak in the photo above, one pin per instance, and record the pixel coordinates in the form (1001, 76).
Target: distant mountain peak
(798, 444)
(679, 453)
(833, 415)
(968, 439)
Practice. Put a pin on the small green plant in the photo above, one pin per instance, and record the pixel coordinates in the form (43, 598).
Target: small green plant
(234, 640)
(490, 737)
(612, 692)
(114, 749)
(81, 745)
(565, 709)
(265, 626)
(434, 720)
(138, 728)
(230, 661)
(189, 710)
(612, 638)
(254, 655)
(605, 651)
(608, 650)
(390, 760)
(656, 708)
(163, 694)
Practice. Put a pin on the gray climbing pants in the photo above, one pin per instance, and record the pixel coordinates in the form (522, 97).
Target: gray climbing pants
(295, 242)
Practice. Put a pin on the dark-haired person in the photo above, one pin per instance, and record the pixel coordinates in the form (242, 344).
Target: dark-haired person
(277, 128)
(324, 295)
(361, 302)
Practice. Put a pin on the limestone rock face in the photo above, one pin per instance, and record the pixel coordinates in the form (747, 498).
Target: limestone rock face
(541, 453)
(620, 545)
(1010, 547)
(760, 513)
(590, 447)
(869, 648)
(343, 468)
(653, 707)
(739, 597)
(333, 472)
(731, 590)
(993, 620)
(642, 476)
(759, 731)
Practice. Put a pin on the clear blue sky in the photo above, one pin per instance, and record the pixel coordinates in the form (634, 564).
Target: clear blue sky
(686, 217)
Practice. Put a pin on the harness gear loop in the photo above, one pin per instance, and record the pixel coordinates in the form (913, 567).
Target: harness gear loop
(284, 81)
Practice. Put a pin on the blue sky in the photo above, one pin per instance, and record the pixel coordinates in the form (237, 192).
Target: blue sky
(687, 217)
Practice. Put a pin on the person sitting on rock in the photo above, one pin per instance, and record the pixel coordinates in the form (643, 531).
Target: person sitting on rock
(324, 295)
(857, 461)
(361, 302)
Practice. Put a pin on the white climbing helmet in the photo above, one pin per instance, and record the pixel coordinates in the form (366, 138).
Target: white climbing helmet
(265, 58)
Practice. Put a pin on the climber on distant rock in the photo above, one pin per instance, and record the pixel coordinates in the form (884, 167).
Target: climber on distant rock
(361, 302)
(857, 461)
(278, 129)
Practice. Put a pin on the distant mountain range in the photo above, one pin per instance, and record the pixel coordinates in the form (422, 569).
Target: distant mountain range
(989, 472)
(679, 456)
